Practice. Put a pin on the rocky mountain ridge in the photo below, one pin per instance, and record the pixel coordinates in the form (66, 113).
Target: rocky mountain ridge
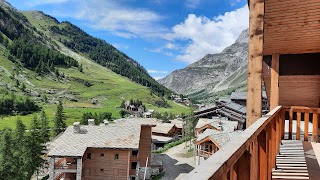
(215, 74)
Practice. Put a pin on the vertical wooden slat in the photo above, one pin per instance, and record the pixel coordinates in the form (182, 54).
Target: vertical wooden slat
(262, 141)
(273, 142)
(282, 122)
(254, 171)
(255, 57)
(290, 123)
(306, 125)
(269, 153)
(232, 172)
(277, 133)
(298, 125)
(274, 86)
(243, 166)
(315, 126)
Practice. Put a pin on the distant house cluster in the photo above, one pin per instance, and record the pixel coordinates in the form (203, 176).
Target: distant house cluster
(120, 150)
(180, 99)
(165, 133)
(212, 134)
(138, 109)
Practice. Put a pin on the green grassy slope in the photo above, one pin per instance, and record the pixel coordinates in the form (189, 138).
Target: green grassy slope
(107, 87)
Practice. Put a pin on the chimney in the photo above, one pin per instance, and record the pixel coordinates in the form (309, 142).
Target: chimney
(106, 122)
(76, 127)
(91, 122)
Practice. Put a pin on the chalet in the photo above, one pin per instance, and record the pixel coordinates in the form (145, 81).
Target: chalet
(284, 55)
(212, 134)
(179, 125)
(165, 129)
(109, 151)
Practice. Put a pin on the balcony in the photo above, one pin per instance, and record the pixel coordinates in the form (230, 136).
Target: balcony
(269, 149)
(204, 153)
(65, 165)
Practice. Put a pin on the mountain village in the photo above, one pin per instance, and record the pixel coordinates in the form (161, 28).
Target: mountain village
(73, 107)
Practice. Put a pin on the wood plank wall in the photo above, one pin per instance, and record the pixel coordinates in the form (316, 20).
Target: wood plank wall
(112, 169)
(291, 26)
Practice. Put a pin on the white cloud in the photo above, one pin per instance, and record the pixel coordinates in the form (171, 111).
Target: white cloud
(120, 46)
(208, 35)
(192, 4)
(32, 3)
(151, 71)
(158, 77)
(117, 18)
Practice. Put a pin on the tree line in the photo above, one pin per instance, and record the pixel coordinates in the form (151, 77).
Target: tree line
(28, 49)
(11, 104)
(21, 150)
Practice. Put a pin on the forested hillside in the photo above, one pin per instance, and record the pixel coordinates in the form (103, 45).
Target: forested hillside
(106, 55)
(39, 68)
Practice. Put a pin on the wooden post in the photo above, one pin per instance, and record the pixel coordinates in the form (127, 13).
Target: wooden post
(262, 140)
(306, 125)
(278, 140)
(298, 125)
(290, 123)
(273, 142)
(255, 53)
(283, 118)
(274, 87)
(315, 126)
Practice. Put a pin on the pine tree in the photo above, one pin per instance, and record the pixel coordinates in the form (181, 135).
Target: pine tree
(44, 127)
(20, 150)
(34, 148)
(59, 124)
(6, 154)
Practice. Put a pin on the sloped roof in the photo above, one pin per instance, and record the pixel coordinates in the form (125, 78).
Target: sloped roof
(163, 128)
(243, 95)
(178, 123)
(220, 137)
(161, 139)
(121, 135)
(218, 123)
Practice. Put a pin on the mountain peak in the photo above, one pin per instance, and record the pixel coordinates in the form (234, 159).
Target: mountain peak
(243, 37)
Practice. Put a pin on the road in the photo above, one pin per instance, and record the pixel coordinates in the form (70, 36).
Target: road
(177, 163)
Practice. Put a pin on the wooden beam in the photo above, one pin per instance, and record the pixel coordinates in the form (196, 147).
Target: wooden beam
(274, 90)
(298, 125)
(315, 127)
(306, 125)
(255, 57)
(290, 123)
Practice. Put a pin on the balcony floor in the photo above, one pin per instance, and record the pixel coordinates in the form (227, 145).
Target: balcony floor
(298, 160)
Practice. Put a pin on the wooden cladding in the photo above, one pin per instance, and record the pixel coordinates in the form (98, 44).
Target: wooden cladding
(291, 27)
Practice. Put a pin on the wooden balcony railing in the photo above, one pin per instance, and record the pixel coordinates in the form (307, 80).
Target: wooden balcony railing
(253, 154)
(204, 153)
(65, 166)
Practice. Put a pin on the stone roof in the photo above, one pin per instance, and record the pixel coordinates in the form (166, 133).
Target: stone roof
(178, 123)
(161, 139)
(243, 95)
(218, 123)
(122, 135)
(220, 137)
(163, 128)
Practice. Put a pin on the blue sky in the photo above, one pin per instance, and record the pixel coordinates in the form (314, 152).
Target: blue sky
(162, 35)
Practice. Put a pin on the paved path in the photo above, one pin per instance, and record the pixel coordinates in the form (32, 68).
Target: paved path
(175, 163)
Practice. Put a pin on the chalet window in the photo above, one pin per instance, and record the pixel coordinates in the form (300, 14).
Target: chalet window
(89, 156)
(135, 152)
(134, 165)
(87, 172)
(116, 156)
(101, 170)
(102, 154)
